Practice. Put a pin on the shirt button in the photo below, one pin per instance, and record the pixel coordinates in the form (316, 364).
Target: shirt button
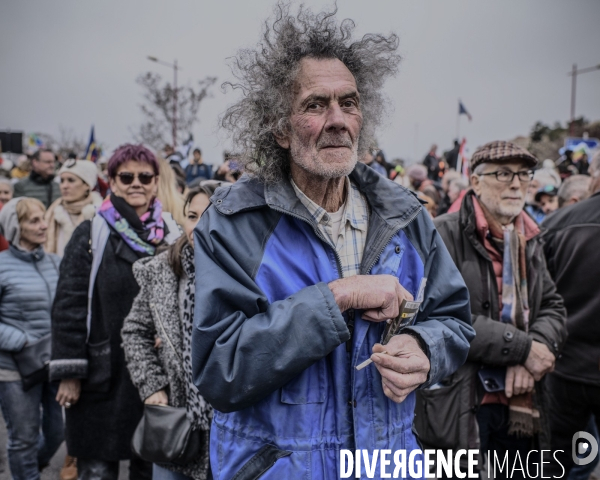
(505, 351)
(397, 249)
(508, 335)
(485, 305)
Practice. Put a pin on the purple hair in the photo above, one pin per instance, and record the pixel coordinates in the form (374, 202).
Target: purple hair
(127, 152)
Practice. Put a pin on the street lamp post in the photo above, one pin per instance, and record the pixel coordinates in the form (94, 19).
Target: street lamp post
(175, 67)
(574, 74)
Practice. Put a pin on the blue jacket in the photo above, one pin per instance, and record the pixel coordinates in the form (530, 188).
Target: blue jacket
(269, 345)
(194, 171)
(27, 287)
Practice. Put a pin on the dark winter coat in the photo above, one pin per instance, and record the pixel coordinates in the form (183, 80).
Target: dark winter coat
(446, 416)
(153, 369)
(100, 425)
(27, 287)
(571, 246)
(46, 190)
(433, 167)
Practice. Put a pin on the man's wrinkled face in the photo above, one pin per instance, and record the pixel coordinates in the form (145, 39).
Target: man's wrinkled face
(326, 119)
(503, 200)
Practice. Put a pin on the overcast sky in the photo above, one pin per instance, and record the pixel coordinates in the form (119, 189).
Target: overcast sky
(73, 64)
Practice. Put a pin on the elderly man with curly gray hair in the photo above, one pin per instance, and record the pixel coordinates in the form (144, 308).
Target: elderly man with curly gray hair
(306, 257)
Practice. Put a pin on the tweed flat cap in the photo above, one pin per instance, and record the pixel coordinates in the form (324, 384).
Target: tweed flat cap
(500, 151)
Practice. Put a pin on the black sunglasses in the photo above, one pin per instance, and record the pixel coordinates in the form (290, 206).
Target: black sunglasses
(127, 178)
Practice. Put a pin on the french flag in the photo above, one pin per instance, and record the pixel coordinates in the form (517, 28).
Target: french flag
(462, 110)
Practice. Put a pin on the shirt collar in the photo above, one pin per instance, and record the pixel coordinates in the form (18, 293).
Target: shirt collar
(315, 211)
(352, 212)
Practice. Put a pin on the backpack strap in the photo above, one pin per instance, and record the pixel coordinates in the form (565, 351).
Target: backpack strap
(99, 236)
(174, 230)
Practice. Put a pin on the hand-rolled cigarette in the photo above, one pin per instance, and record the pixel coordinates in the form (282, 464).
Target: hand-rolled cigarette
(367, 362)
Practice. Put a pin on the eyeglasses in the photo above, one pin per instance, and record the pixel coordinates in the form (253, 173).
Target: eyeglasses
(506, 176)
(127, 178)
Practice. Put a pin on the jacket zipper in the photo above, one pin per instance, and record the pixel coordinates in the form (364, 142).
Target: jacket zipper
(351, 329)
(350, 314)
(45, 282)
(394, 232)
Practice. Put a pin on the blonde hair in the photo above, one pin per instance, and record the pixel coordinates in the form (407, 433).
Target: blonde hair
(25, 206)
(172, 201)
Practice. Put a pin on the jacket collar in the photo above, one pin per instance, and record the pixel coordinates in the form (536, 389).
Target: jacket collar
(31, 257)
(468, 223)
(395, 206)
(37, 178)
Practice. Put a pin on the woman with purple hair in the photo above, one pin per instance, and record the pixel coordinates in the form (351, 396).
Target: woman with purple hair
(95, 292)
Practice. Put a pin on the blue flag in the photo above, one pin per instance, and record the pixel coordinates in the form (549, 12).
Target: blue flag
(462, 110)
(92, 152)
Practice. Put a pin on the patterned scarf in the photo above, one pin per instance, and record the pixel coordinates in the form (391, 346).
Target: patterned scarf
(515, 300)
(143, 237)
(199, 411)
(523, 417)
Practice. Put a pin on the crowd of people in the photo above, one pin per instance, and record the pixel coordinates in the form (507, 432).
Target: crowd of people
(207, 324)
(68, 281)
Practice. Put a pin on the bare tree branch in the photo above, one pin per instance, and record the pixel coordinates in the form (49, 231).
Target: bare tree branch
(157, 108)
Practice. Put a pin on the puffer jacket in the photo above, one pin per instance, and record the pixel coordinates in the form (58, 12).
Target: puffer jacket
(46, 190)
(27, 287)
(273, 353)
(446, 416)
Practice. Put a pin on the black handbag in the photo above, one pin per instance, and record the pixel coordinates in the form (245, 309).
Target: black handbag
(32, 362)
(165, 434)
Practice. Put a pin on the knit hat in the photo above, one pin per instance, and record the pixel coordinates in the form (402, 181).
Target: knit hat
(500, 151)
(84, 169)
(9, 222)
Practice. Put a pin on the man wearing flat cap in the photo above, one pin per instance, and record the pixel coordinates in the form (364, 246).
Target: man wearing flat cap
(496, 401)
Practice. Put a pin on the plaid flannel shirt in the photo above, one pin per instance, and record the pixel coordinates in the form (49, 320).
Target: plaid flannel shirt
(353, 232)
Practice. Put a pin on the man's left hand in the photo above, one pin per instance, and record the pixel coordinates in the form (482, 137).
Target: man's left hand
(403, 368)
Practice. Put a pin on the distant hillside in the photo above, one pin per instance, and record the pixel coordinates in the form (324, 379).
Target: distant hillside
(544, 141)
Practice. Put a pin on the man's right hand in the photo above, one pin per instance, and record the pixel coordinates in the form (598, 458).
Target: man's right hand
(379, 296)
(540, 360)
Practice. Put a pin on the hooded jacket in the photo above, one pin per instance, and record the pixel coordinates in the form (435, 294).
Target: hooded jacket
(271, 350)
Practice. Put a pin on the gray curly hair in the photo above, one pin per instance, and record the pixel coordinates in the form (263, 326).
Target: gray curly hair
(266, 74)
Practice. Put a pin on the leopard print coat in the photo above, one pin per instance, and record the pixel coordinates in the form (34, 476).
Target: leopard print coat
(152, 369)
